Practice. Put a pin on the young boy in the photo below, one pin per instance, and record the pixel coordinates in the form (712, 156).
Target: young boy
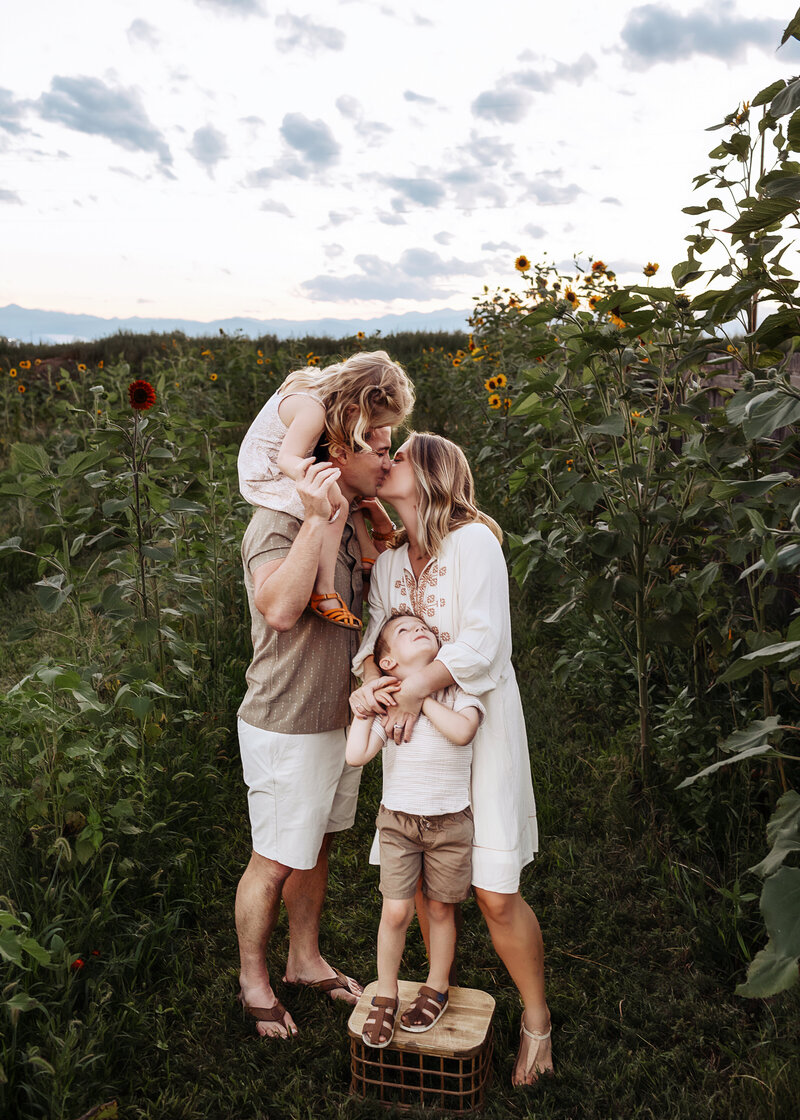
(424, 824)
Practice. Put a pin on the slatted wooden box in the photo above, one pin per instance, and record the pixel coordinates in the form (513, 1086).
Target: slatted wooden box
(446, 1067)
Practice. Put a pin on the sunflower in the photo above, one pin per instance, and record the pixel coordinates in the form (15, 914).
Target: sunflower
(37, 361)
(650, 269)
(570, 295)
(81, 367)
(212, 377)
(598, 266)
(494, 401)
(208, 354)
(24, 365)
(593, 302)
(507, 403)
(456, 361)
(522, 264)
(260, 353)
(20, 388)
(259, 361)
(12, 373)
(360, 334)
(100, 364)
(620, 324)
(490, 384)
(141, 395)
(500, 380)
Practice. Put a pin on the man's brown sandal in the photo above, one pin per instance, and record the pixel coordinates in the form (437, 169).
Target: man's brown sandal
(335, 983)
(425, 1011)
(379, 1020)
(275, 1014)
(339, 616)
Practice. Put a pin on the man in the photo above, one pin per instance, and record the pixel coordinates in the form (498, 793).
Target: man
(292, 731)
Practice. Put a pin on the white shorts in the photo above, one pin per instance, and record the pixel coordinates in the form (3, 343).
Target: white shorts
(298, 789)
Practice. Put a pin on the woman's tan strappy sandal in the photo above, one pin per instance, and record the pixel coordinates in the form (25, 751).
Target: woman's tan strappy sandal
(381, 1018)
(339, 616)
(425, 1011)
(531, 1065)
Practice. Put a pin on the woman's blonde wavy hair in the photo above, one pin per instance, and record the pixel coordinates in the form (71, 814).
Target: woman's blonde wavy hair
(445, 491)
(355, 393)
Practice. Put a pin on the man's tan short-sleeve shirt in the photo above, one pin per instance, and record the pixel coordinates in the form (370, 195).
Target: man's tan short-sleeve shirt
(299, 680)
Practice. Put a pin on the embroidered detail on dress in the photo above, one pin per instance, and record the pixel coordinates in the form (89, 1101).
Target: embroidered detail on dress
(422, 596)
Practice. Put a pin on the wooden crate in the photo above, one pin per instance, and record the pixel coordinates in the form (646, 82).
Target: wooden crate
(446, 1067)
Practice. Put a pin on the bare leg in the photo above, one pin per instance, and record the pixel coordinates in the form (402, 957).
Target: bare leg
(395, 917)
(258, 899)
(421, 903)
(517, 938)
(442, 945)
(304, 894)
(365, 541)
(330, 550)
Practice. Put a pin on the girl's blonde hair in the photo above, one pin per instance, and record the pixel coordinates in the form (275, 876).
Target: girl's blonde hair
(445, 491)
(355, 393)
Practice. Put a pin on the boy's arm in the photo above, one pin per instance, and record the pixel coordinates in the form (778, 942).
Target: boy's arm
(458, 727)
(306, 425)
(363, 742)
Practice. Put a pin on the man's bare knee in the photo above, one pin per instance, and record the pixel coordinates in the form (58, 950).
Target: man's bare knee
(269, 871)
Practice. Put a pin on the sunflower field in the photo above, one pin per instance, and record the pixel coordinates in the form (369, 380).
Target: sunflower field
(638, 445)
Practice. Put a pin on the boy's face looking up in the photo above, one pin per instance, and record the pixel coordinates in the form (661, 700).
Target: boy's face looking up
(409, 645)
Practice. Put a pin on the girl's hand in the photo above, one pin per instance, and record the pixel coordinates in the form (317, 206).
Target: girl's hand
(399, 720)
(373, 697)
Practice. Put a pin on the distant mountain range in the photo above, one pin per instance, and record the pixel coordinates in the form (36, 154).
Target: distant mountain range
(29, 325)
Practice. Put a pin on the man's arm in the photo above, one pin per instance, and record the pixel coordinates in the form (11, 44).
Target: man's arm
(282, 588)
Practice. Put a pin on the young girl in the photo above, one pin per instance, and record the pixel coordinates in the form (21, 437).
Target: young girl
(340, 405)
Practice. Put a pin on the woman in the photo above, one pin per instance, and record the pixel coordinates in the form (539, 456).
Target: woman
(448, 568)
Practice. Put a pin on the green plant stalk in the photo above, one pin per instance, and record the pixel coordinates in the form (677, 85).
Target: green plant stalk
(141, 577)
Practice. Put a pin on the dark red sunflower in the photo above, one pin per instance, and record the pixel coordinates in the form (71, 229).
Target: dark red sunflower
(141, 395)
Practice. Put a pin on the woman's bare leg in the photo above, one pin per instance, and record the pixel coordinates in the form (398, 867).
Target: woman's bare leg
(517, 939)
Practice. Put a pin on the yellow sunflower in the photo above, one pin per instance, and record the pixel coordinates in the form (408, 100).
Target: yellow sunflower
(212, 377)
(522, 264)
(494, 401)
(650, 269)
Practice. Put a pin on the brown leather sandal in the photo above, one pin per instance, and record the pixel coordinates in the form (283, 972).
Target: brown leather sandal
(339, 616)
(380, 1019)
(276, 1014)
(336, 983)
(425, 1011)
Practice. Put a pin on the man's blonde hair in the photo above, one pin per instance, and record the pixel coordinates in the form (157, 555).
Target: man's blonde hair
(355, 394)
(445, 491)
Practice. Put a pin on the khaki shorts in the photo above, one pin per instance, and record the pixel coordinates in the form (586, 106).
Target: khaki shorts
(299, 788)
(438, 848)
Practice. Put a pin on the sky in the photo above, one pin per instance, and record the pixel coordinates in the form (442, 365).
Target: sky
(215, 158)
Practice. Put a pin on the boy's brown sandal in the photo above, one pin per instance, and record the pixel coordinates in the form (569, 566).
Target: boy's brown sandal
(426, 1010)
(380, 1019)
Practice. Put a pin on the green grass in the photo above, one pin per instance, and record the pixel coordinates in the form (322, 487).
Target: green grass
(645, 1021)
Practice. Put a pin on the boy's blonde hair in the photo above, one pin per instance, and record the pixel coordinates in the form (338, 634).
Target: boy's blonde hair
(445, 491)
(355, 393)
